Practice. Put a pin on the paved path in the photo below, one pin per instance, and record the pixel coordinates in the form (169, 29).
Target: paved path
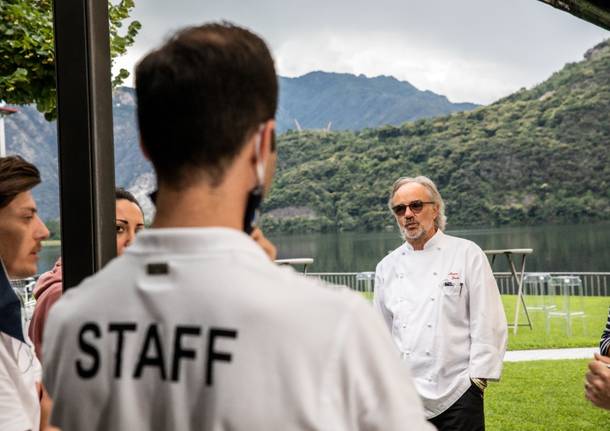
(537, 355)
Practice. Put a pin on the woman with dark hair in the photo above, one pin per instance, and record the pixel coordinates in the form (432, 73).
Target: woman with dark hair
(129, 221)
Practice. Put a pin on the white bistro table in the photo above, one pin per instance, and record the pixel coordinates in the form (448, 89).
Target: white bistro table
(517, 276)
(305, 261)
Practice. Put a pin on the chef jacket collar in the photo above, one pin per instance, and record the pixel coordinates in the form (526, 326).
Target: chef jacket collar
(193, 240)
(435, 241)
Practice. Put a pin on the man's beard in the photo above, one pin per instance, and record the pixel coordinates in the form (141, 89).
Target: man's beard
(406, 235)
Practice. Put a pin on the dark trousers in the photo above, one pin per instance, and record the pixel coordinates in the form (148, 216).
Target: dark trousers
(466, 414)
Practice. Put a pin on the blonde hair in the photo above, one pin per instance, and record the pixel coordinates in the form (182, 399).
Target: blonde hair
(441, 220)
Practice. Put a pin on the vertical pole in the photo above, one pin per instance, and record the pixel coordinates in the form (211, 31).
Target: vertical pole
(84, 129)
(2, 137)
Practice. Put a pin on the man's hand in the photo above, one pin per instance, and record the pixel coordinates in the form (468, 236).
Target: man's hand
(46, 404)
(266, 245)
(597, 383)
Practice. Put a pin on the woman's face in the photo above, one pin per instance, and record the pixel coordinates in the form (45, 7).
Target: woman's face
(129, 221)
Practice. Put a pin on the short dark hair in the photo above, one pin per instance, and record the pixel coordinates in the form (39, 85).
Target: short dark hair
(121, 193)
(16, 176)
(200, 96)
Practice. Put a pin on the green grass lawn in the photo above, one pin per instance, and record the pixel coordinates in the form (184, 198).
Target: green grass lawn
(596, 310)
(542, 395)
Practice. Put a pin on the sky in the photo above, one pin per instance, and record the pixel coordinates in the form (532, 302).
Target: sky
(470, 50)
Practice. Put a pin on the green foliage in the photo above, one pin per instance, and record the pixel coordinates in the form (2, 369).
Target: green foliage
(27, 57)
(537, 156)
(54, 227)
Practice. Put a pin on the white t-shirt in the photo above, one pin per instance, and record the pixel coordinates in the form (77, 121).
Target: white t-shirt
(197, 329)
(19, 373)
(444, 310)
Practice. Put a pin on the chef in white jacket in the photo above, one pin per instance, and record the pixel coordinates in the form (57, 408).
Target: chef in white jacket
(441, 303)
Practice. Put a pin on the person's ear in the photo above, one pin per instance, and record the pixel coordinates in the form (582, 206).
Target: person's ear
(267, 139)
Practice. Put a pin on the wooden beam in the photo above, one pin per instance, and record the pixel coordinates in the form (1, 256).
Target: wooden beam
(594, 11)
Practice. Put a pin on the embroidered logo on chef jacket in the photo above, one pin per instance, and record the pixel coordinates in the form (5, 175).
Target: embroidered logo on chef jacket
(455, 276)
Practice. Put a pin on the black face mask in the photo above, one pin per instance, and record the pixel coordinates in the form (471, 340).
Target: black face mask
(255, 198)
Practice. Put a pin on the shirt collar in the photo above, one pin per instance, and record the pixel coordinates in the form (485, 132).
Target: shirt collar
(193, 240)
(435, 241)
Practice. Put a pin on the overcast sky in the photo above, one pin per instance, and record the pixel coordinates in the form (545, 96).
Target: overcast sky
(469, 50)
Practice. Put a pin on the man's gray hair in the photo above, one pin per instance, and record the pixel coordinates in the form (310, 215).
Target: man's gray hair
(441, 220)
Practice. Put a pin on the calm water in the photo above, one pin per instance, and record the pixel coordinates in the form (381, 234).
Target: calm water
(556, 248)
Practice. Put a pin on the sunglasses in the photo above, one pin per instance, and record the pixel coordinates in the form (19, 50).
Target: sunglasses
(416, 207)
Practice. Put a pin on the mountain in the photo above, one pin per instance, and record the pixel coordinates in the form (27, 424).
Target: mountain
(537, 156)
(350, 102)
(30, 135)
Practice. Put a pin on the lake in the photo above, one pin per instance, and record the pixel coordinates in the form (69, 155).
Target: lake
(557, 248)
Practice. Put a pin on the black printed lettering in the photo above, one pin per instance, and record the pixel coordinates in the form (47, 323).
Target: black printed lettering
(179, 352)
(120, 329)
(214, 355)
(89, 349)
(156, 360)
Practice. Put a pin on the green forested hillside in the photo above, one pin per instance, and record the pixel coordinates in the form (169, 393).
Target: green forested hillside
(537, 156)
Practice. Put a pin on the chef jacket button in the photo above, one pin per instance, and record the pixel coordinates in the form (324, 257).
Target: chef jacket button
(428, 352)
(404, 326)
(432, 298)
(429, 325)
(438, 248)
(434, 273)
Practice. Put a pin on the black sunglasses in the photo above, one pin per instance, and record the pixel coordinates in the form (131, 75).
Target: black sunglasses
(415, 207)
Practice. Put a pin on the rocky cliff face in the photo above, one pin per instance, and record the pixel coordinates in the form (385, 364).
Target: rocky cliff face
(34, 138)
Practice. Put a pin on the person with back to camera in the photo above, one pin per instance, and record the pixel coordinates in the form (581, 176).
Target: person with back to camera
(194, 328)
(440, 301)
(129, 220)
(21, 235)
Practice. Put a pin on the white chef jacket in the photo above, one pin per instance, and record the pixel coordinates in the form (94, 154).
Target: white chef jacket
(288, 353)
(443, 308)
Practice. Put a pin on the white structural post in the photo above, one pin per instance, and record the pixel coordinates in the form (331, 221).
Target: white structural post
(4, 112)
(2, 138)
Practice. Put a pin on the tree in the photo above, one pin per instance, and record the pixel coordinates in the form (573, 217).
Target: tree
(27, 56)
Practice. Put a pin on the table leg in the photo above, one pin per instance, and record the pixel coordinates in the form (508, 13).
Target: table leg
(527, 314)
(520, 300)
